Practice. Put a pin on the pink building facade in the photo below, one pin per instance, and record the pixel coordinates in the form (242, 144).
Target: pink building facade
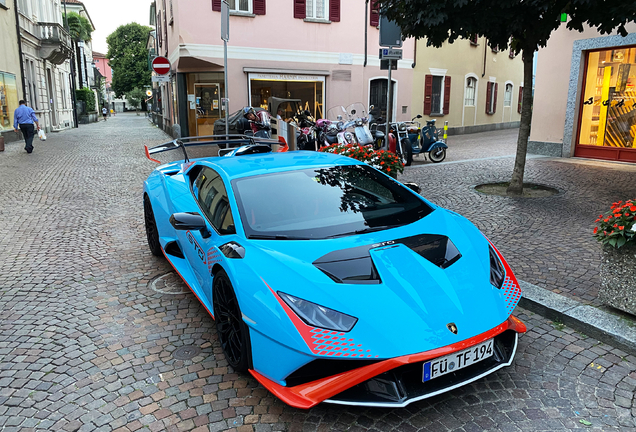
(323, 52)
(101, 63)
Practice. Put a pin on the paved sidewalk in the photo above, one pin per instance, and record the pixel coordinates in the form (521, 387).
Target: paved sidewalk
(87, 344)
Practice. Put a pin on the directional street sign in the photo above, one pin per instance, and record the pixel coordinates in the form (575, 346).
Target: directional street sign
(390, 54)
(161, 78)
(161, 65)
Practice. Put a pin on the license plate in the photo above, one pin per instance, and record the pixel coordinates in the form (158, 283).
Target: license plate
(459, 360)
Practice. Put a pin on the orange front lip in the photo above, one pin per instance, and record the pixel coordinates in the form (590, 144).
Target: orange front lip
(307, 395)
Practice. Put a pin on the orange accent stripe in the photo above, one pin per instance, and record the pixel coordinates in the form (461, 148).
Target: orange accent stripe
(184, 281)
(148, 156)
(310, 394)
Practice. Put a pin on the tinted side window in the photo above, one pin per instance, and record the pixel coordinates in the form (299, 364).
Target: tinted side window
(210, 191)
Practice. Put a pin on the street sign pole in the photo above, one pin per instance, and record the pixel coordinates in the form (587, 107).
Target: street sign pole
(389, 107)
(225, 35)
(390, 37)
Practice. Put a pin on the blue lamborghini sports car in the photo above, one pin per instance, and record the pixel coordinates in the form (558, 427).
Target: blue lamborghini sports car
(330, 281)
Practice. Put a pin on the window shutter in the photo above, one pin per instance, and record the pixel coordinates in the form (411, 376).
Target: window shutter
(300, 9)
(216, 5)
(259, 7)
(374, 15)
(428, 91)
(494, 102)
(488, 96)
(447, 86)
(520, 98)
(334, 10)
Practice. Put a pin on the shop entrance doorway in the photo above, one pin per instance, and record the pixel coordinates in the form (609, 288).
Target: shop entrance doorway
(208, 107)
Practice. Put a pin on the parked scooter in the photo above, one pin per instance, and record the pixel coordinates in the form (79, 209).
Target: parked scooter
(357, 115)
(336, 130)
(426, 140)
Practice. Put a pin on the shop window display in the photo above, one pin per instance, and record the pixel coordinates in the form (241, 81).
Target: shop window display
(309, 92)
(608, 110)
(8, 100)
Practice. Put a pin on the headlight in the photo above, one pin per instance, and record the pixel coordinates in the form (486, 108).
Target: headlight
(402, 127)
(319, 316)
(497, 272)
(349, 137)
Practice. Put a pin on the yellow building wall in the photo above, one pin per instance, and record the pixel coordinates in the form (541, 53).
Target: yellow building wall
(459, 60)
(9, 62)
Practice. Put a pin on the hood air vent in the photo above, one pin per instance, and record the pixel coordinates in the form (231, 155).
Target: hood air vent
(355, 266)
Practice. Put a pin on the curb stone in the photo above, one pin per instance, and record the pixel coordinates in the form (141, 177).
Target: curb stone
(604, 326)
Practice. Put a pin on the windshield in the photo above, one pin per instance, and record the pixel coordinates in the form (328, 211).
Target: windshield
(321, 203)
(356, 111)
(337, 113)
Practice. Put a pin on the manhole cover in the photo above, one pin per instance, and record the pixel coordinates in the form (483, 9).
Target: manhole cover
(186, 352)
(170, 283)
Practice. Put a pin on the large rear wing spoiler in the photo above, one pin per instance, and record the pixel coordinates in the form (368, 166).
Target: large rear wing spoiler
(225, 143)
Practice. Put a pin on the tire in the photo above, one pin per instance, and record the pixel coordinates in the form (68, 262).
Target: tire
(437, 155)
(407, 148)
(152, 234)
(232, 331)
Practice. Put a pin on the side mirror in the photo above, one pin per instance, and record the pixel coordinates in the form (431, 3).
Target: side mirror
(190, 222)
(414, 187)
(418, 116)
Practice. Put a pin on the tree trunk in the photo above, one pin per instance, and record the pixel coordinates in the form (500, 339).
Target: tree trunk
(516, 183)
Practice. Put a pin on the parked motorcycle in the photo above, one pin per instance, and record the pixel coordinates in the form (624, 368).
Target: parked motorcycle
(426, 140)
(305, 130)
(376, 128)
(259, 126)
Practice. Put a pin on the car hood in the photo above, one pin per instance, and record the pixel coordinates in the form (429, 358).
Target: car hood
(412, 306)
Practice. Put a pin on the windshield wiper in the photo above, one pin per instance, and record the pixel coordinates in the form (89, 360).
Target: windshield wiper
(276, 237)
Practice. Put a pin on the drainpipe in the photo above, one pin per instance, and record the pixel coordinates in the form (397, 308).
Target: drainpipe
(414, 54)
(72, 64)
(17, 29)
(485, 52)
(366, 30)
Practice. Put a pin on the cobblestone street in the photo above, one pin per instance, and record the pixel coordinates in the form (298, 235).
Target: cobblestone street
(91, 330)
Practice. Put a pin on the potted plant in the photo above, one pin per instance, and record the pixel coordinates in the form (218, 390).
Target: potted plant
(616, 231)
(385, 161)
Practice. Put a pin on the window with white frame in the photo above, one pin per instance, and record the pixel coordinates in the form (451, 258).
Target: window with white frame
(436, 96)
(317, 9)
(471, 86)
(241, 6)
(508, 95)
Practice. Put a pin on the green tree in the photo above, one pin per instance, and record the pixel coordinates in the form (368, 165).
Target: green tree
(526, 25)
(134, 97)
(80, 29)
(128, 57)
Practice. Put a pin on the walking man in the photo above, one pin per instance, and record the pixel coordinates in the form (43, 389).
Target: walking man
(24, 117)
(104, 113)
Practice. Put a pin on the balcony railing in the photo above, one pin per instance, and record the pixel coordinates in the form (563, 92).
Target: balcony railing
(55, 42)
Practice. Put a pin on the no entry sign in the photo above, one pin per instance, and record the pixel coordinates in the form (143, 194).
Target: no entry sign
(161, 65)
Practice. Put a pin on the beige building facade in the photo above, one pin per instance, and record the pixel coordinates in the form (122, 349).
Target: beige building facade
(10, 73)
(46, 49)
(585, 96)
(468, 84)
